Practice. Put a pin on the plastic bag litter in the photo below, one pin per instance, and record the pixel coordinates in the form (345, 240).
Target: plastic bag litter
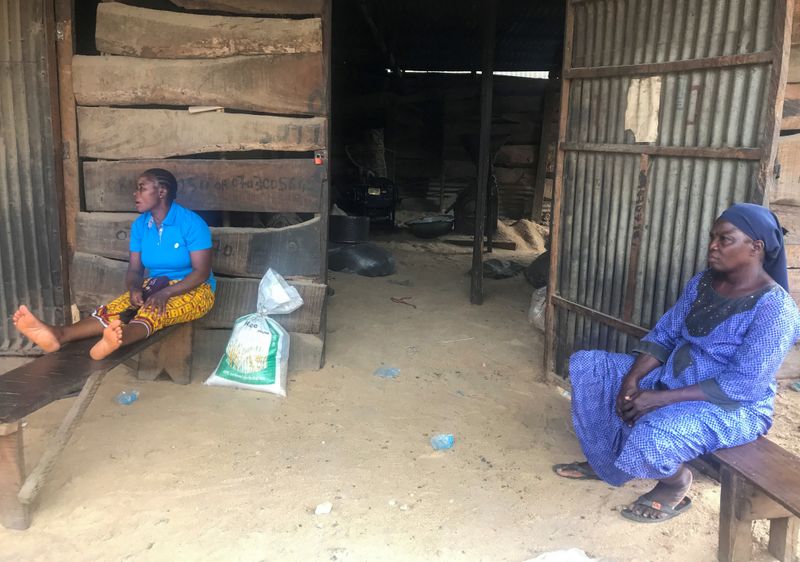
(536, 310)
(364, 259)
(257, 354)
(571, 555)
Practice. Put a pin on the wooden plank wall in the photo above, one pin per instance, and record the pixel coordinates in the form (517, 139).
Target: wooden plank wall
(268, 73)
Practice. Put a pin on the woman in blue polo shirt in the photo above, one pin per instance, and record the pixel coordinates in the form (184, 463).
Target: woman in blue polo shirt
(174, 245)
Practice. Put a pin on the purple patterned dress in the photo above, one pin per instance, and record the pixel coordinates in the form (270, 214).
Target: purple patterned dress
(731, 347)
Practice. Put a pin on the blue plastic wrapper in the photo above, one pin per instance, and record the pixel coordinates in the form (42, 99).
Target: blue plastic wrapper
(442, 441)
(387, 372)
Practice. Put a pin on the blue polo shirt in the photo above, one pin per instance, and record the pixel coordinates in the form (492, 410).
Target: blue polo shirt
(165, 251)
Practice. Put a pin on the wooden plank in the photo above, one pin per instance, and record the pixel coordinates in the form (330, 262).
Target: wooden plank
(548, 127)
(140, 32)
(237, 297)
(255, 7)
(96, 280)
(286, 185)
(13, 513)
(734, 153)
(238, 252)
(110, 133)
(305, 350)
(786, 188)
(768, 466)
(688, 65)
(794, 64)
(270, 84)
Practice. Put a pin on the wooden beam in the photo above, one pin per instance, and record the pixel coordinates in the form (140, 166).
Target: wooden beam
(733, 153)
(621, 325)
(290, 84)
(139, 32)
(549, 113)
(238, 252)
(96, 280)
(109, 133)
(558, 190)
(488, 24)
(65, 41)
(783, 534)
(280, 186)
(781, 45)
(786, 190)
(688, 65)
(255, 7)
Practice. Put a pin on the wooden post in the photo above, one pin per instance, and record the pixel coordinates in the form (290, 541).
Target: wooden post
(735, 535)
(489, 12)
(13, 513)
(172, 356)
(548, 113)
(558, 184)
(783, 538)
(69, 121)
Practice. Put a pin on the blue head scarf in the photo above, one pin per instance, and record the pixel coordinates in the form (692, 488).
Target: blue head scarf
(760, 223)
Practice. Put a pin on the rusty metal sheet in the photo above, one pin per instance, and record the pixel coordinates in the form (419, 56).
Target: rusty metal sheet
(30, 237)
(635, 212)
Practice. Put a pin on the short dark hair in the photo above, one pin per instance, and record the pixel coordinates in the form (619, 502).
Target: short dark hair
(165, 179)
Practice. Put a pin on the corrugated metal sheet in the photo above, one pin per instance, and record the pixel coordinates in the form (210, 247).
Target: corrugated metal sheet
(30, 240)
(678, 195)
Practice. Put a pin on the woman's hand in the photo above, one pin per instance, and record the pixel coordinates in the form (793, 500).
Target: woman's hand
(629, 387)
(643, 402)
(136, 297)
(157, 302)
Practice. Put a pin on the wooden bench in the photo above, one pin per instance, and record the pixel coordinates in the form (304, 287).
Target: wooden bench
(59, 375)
(760, 480)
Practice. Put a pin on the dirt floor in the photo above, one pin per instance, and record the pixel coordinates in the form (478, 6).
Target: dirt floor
(206, 473)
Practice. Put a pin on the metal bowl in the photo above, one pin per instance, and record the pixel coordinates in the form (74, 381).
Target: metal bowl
(430, 227)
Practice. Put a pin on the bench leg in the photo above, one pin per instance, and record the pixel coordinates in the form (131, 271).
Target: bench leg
(735, 535)
(172, 356)
(783, 538)
(13, 513)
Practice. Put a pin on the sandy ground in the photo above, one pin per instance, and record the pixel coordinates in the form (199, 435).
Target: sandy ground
(203, 473)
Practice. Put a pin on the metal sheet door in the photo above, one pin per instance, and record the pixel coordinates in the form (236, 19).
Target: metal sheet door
(669, 113)
(31, 248)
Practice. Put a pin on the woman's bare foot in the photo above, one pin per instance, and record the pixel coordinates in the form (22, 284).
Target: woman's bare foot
(35, 330)
(109, 343)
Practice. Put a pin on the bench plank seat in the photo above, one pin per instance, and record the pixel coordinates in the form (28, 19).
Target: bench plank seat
(768, 466)
(56, 375)
(760, 480)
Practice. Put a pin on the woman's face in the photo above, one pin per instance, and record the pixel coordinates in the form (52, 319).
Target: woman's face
(148, 194)
(730, 249)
